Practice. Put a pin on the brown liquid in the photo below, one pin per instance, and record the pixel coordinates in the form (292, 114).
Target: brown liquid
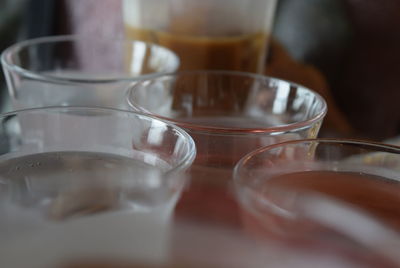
(374, 194)
(238, 52)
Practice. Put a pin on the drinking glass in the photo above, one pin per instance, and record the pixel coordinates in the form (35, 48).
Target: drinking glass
(207, 34)
(127, 160)
(79, 71)
(343, 185)
(228, 114)
(78, 163)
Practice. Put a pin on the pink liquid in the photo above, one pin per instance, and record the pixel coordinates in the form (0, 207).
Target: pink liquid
(373, 194)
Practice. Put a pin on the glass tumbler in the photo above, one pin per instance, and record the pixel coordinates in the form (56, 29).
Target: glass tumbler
(79, 71)
(71, 161)
(207, 34)
(228, 114)
(343, 185)
(86, 182)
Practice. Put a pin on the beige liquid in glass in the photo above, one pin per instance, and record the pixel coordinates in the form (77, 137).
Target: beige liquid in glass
(235, 51)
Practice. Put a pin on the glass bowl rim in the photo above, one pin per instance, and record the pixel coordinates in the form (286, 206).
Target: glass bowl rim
(182, 164)
(276, 130)
(378, 146)
(7, 62)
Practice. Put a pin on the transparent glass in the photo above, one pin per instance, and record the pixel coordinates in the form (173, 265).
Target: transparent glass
(229, 114)
(203, 33)
(324, 189)
(64, 162)
(79, 71)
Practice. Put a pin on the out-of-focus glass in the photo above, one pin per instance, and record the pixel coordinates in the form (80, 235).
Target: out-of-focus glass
(206, 34)
(289, 188)
(79, 71)
(62, 164)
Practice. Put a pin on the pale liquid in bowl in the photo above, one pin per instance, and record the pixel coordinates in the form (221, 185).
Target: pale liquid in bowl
(69, 184)
(77, 204)
(38, 93)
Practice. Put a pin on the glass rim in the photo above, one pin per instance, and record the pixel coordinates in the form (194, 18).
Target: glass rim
(7, 63)
(182, 164)
(378, 146)
(243, 185)
(226, 130)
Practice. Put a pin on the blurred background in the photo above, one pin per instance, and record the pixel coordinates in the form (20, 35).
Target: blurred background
(347, 50)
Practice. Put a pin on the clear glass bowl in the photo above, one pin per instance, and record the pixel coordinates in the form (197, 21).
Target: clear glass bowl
(79, 71)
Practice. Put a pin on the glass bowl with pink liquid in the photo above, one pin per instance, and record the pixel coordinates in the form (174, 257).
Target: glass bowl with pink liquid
(341, 191)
